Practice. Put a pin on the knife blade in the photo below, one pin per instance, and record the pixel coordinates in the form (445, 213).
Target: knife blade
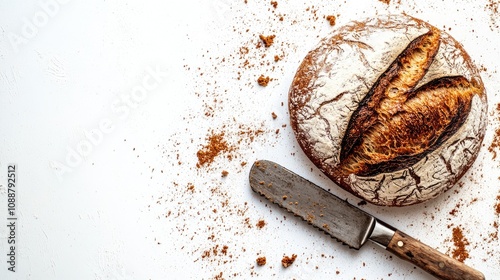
(347, 223)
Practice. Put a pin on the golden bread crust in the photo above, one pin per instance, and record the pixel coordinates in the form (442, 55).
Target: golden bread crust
(395, 135)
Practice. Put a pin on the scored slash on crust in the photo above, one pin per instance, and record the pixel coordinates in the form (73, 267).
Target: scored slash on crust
(424, 138)
(396, 124)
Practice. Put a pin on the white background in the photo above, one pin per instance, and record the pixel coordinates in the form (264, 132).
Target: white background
(104, 165)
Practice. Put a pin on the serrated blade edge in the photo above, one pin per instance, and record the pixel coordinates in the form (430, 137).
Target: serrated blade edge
(322, 209)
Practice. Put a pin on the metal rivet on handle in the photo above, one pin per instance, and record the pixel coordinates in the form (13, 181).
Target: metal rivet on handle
(400, 243)
(441, 265)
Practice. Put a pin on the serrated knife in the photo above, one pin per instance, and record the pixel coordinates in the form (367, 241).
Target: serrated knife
(348, 224)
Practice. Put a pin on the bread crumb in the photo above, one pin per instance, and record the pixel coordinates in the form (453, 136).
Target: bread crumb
(263, 81)
(331, 19)
(495, 144)
(219, 276)
(497, 206)
(224, 173)
(216, 145)
(260, 224)
(267, 40)
(261, 261)
(274, 4)
(459, 240)
(274, 115)
(288, 261)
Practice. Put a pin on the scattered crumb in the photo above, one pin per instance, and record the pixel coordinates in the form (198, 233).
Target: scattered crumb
(260, 224)
(493, 8)
(190, 187)
(288, 261)
(497, 206)
(495, 144)
(219, 276)
(216, 145)
(263, 81)
(261, 261)
(211, 202)
(267, 40)
(224, 249)
(459, 241)
(331, 19)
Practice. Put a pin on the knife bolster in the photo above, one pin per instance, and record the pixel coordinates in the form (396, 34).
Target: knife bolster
(382, 233)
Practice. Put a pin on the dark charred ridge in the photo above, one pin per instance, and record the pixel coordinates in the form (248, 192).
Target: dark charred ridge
(466, 150)
(403, 176)
(403, 161)
(365, 114)
(397, 163)
(378, 188)
(442, 82)
(405, 188)
(455, 123)
(402, 199)
(414, 176)
(416, 192)
(446, 164)
(468, 139)
(469, 152)
(432, 186)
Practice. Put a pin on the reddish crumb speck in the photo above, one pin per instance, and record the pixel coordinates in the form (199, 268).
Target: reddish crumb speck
(261, 261)
(331, 19)
(263, 81)
(460, 253)
(288, 261)
(260, 224)
(267, 40)
(216, 145)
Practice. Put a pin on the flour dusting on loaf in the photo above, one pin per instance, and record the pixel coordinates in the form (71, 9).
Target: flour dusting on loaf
(391, 108)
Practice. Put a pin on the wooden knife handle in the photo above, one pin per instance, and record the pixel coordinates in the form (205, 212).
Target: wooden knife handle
(429, 259)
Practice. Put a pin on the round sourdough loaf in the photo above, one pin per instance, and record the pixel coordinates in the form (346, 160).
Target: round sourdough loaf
(391, 109)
